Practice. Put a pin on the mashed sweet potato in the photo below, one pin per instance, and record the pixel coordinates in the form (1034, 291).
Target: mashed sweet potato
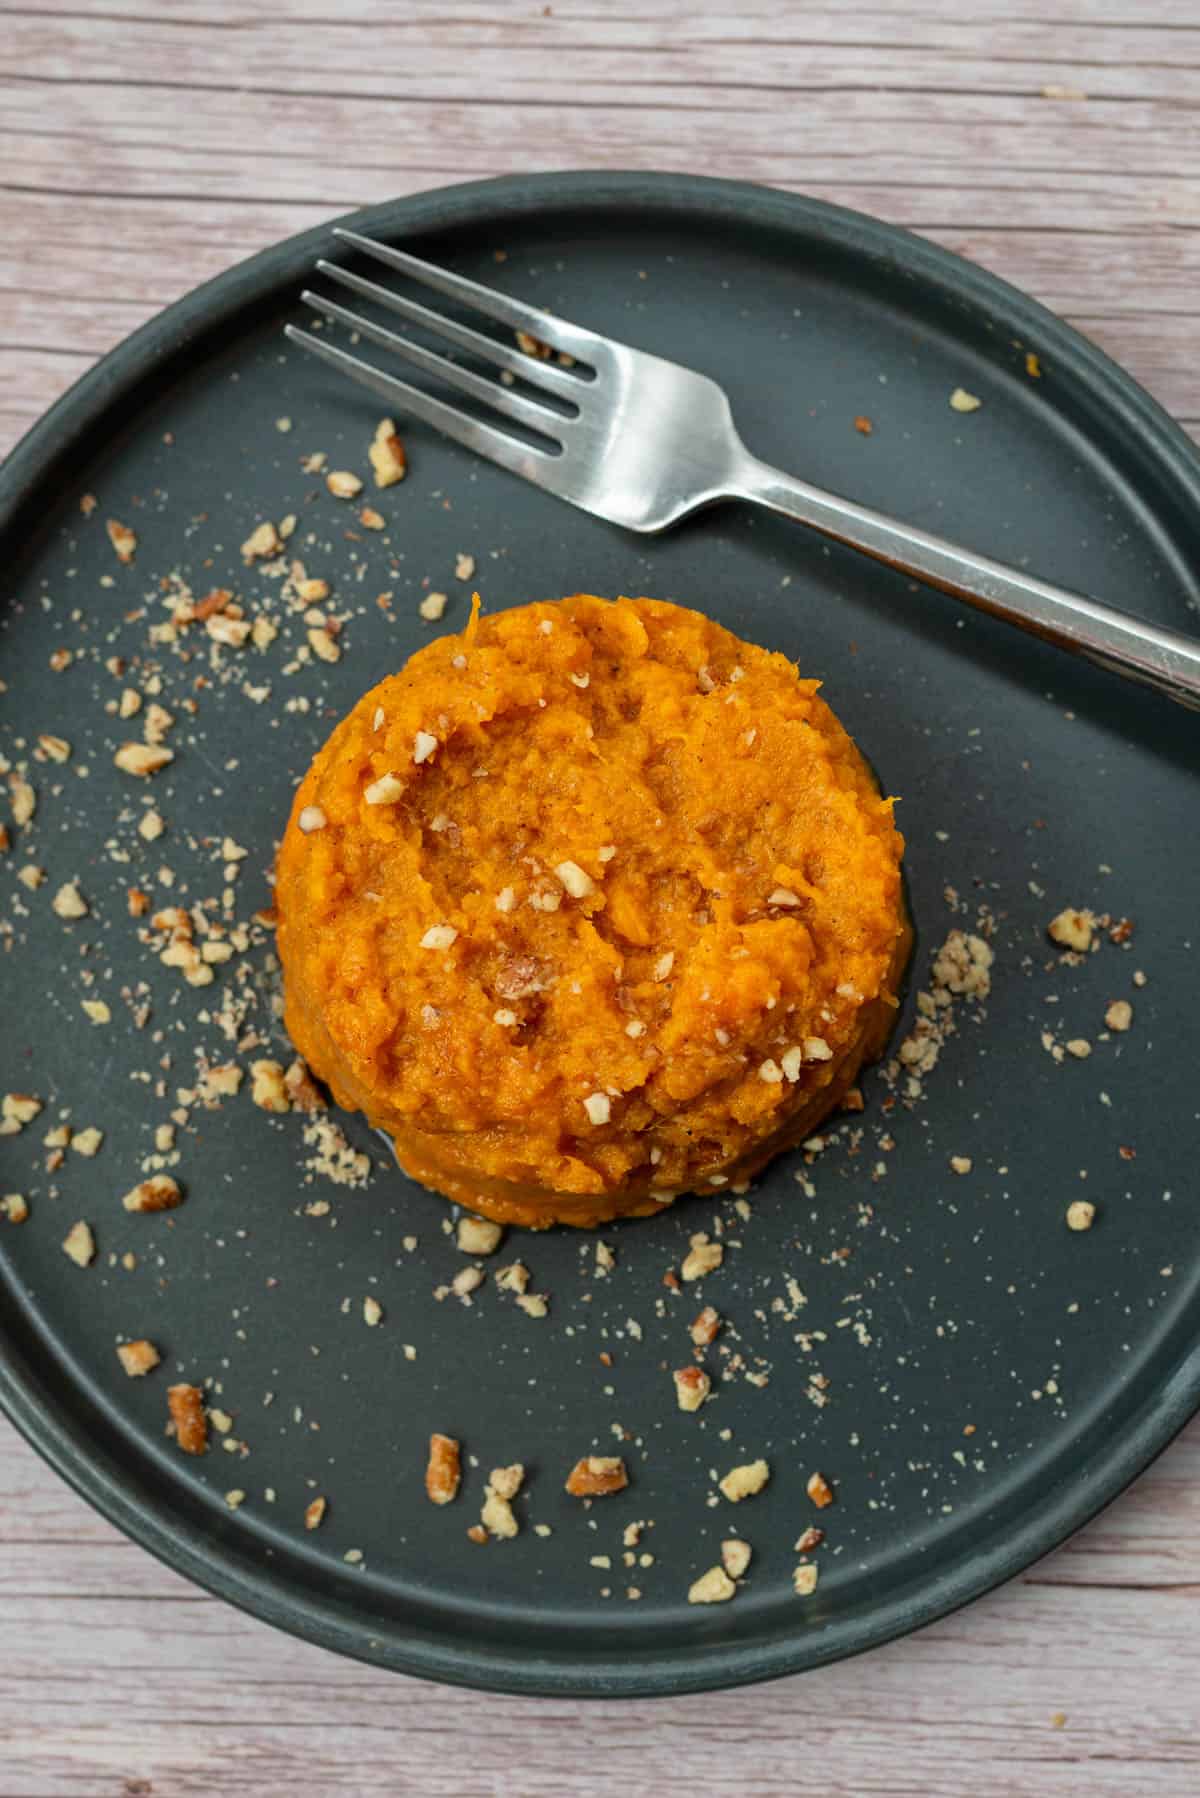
(589, 906)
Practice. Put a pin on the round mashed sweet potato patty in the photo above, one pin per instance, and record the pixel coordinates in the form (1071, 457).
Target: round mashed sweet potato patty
(588, 906)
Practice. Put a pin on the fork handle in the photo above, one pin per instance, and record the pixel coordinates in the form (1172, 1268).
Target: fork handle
(1143, 652)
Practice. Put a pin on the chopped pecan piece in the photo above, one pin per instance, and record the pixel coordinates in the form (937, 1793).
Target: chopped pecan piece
(735, 1556)
(302, 1089)
(596, 1476)
(80, 1244)
(269, 1086)
(497, 1516)
(1072, 929)
(137, 1358)
(744, 1482)
(704, 1257)
(444, 1469)
(705, 1327)
(186, 1405)
(342, 484)
(692, 1387)
(819, 1490)
(159, 1193)
(123, 540)
(478, 1236)
(142, 759)
(388, 460)
(212, 603)
(712, 1587)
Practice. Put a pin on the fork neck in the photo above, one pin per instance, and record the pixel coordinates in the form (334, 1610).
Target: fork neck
(1145, 652)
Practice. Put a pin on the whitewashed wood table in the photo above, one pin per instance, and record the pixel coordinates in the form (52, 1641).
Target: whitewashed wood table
(143, 147)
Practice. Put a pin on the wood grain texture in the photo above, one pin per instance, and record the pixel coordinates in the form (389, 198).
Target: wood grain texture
(146, 144)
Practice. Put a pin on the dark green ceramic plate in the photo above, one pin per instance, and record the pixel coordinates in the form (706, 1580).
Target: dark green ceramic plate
(937, 1303)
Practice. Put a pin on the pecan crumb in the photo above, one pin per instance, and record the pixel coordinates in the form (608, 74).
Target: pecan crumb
(342, 484)
(262, 542)
(478, 1235)
(123, 540)
(269, 1086)
(744, 1482)
(819, 1490)
(692, 1387)
(301, 1088)
(597, 1475)
(142, 759)
(159, 1193)
(497, 1516)
(186, 1406)
(386, 454)
(735, 1556)
(705, 1327)
(1072, 929)
(713, 1587)
(704, 1257)
(79, 1244)
(444, 1469)
(137, 1358)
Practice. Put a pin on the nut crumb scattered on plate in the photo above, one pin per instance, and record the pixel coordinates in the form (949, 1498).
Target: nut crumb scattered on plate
(79, 1244)
(705, 1327)
(692, 1387)
(746, 1481)
(498, 1516)
(443, 1471)
(1072, 929)
(735, 1556)
(704, 1257)
(478, 1235)
(819, 1490)
(713, 1587)
(137, 1358)
(123, 540)
(158, 1193)
(388, 461)
(596, 1476)
(342, 484)
(186, 1406)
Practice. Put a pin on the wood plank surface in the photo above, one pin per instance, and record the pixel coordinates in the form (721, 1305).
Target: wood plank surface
(145, 145)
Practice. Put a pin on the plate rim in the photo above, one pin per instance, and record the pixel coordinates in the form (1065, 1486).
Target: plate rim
(50, 1426)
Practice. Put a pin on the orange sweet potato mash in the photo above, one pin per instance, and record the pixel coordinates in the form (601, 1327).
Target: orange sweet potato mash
(588, 906)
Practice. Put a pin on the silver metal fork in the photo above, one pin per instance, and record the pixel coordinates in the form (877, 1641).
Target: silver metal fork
(642, 442)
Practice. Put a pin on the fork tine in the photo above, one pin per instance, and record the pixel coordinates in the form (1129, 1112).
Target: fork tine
(530, 368)
(491, 393)
(484, 439)
(555, 331)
